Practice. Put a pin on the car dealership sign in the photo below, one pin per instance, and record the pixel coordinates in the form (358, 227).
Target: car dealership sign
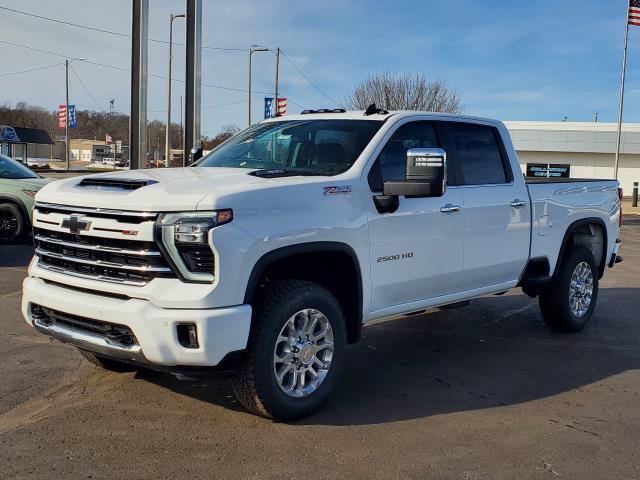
(548, 170)
(8, 134)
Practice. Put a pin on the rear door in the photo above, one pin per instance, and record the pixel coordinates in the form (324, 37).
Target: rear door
(415, 252)
(497, 210)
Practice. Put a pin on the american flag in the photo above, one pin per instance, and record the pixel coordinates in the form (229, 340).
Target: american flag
(634, 12)
(282, 106)
(62, 116)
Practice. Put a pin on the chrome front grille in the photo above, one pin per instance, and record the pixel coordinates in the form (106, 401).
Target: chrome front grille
(86, 255)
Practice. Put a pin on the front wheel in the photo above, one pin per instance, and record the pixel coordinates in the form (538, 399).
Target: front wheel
(13, 225)
(295, 353)
(568, 304)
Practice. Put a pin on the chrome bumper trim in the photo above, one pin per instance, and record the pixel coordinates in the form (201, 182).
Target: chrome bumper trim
(93, 343)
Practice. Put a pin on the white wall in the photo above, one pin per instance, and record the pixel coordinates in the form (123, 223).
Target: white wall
(588, 147)
(589, 165)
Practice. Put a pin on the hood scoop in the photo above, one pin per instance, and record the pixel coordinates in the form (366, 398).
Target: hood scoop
(114, 184)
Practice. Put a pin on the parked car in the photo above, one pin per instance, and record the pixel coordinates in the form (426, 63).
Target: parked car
(18, 186)
(271, 253)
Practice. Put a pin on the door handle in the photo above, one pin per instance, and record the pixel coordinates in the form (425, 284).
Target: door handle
(448, 208)
(518, 203)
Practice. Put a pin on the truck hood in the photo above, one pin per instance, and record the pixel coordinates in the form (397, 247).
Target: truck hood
(171, 189)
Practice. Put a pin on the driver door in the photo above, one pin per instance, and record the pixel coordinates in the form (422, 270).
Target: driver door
(416, 253)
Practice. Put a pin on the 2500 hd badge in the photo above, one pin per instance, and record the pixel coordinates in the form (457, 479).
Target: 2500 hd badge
(397, 256)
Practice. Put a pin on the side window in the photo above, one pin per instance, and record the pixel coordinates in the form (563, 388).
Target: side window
(478, 154)
(391, 164)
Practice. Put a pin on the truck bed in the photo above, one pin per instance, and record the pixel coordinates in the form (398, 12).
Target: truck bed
(559, 202)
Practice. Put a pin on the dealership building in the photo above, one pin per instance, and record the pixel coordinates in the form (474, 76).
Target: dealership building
(577, 150)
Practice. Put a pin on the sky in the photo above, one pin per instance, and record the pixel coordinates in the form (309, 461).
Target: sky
(533, 60)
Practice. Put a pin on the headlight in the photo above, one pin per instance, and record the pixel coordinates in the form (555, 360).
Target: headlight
(185, 236)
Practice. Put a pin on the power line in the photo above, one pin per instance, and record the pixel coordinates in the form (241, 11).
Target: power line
(219, 105)
(109, 32)
(31, 70)
(86, 89)
(123, 69)
(296, 104)
(226, 104)
(38, 50)
(114, 67)
(307, 79)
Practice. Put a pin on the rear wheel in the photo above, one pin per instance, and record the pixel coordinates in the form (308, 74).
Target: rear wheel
(295, 353)
(13, 225)
(568, 305)
(106, 363)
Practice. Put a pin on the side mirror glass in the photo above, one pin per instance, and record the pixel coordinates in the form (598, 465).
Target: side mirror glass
(426, 174)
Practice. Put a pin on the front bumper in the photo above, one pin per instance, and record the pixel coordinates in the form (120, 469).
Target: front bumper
(220, 330)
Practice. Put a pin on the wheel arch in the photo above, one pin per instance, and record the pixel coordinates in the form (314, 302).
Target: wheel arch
(334, 265)
(570, 237)
(9, 198)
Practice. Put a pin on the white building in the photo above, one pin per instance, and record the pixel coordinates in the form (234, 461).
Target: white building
(587, 148)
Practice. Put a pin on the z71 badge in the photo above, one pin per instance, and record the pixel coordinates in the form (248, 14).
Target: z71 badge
(337, 190)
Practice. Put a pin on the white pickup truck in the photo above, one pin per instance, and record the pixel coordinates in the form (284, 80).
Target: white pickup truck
(268, 255)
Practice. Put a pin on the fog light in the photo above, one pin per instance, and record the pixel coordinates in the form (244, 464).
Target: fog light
(188, 335)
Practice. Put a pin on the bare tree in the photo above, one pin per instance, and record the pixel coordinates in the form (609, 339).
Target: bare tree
(404, 92)
(227, 132)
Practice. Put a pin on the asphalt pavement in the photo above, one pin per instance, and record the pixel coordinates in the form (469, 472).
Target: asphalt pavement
(481, 392)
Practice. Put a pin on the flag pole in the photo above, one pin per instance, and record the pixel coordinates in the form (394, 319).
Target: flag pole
(621, 103)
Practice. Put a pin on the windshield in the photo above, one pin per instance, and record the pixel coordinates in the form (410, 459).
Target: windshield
(310, 147)
(10, 169)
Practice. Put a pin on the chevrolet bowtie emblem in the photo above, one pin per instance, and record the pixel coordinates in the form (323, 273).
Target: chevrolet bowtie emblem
(75, 223)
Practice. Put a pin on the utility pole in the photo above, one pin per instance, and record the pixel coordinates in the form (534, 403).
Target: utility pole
(66, 123)
(275, 100)
(167, 141)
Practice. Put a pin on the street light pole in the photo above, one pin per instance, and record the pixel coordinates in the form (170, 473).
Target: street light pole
(275, 100)
(66, 122)
(253, 48)
(250, 55)
(167, 139)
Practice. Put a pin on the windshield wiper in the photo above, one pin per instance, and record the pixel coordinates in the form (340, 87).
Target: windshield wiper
(283, 172)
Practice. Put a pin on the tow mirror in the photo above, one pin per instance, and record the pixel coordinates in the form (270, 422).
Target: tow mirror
(426, 177)
(426, 174)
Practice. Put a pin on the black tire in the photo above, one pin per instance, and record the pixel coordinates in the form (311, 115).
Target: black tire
(106, 363)
(254, 383)
(13, 225)
(555, 301)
